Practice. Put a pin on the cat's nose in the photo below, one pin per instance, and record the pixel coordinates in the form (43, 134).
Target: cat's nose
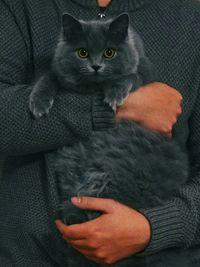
(96, 67)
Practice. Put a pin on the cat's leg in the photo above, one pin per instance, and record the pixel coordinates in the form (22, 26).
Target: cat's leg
(42, 96)
(95, 184)
(116, 93)
(68, 170)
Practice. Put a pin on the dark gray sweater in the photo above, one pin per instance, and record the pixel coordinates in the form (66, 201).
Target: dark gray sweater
(28, 195)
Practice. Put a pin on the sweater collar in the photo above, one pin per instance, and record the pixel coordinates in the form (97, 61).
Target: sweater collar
(115, 5)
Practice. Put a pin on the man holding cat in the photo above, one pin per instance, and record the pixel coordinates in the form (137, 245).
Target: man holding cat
(27, 190)
(121, 232)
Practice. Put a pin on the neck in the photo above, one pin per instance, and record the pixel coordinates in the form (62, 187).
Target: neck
(103, 3)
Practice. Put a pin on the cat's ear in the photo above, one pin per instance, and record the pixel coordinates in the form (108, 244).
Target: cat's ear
(119, 27)
(72, 28)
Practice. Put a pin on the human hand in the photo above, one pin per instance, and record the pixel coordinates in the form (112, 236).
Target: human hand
(155, 106)
(118, 233)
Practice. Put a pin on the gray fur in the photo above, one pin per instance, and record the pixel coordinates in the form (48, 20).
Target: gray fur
(116, 77)
(127, 163)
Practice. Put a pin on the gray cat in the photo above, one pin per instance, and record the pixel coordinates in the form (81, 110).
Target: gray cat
(97, 55)
(127, 163)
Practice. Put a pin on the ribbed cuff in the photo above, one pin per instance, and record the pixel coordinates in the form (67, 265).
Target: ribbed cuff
(102, 114)
(167, 228)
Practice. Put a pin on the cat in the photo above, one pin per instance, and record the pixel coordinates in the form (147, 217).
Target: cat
(127, 163)
(80, 68)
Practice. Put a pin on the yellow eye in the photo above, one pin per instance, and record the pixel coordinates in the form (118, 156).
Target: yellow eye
(109, 53)
(82, 53)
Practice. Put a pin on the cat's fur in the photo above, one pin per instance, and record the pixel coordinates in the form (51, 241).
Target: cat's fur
(116, 77)
(127, 163)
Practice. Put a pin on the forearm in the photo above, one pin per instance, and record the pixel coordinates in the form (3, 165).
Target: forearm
(72, 117)
(177, 223)
(21, 133)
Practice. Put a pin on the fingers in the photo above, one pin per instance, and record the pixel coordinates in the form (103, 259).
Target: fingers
(84, 244)
(83, 230)
(92, 203)
(90, 256)
(79, 244)
(125, 115)
(76, 231)
(89, 252)
(169, 135)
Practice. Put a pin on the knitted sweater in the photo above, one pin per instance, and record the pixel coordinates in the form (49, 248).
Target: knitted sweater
(28, 194)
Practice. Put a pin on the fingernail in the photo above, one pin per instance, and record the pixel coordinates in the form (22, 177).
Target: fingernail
(76, 200)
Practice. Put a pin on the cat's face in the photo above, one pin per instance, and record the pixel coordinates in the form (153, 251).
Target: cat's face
(96, 51)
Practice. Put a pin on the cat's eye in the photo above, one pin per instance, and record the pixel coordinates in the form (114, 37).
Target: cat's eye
(109, 53)
(82, 53)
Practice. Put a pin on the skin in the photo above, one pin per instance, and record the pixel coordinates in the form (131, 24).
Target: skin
(118, 233)
(157, 107)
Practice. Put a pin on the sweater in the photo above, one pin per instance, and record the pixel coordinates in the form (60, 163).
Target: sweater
(29, 31)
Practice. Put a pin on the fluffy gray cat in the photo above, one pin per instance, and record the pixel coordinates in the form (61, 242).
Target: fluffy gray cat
(126, 163)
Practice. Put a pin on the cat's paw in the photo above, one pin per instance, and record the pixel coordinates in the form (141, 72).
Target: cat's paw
(115, 96)
(40, 105)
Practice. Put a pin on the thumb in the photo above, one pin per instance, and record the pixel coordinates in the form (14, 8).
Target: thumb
(93, 203)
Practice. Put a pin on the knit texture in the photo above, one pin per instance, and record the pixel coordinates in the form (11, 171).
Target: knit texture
(28, 193)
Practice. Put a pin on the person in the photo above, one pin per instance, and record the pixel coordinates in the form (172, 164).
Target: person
(28, 190)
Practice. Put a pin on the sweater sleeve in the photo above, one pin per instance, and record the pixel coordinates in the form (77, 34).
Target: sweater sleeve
(72, 116)
(177, 222)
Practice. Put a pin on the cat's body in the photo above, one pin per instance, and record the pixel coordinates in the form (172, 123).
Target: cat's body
(127, 163)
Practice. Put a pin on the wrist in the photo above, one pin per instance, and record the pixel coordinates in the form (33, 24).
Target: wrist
(139, 231)
(167, 229)
(145, 232)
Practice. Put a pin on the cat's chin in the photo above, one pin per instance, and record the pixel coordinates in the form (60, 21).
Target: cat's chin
(96, 78)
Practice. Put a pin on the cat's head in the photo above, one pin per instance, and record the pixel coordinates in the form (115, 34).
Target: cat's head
(95, 51)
